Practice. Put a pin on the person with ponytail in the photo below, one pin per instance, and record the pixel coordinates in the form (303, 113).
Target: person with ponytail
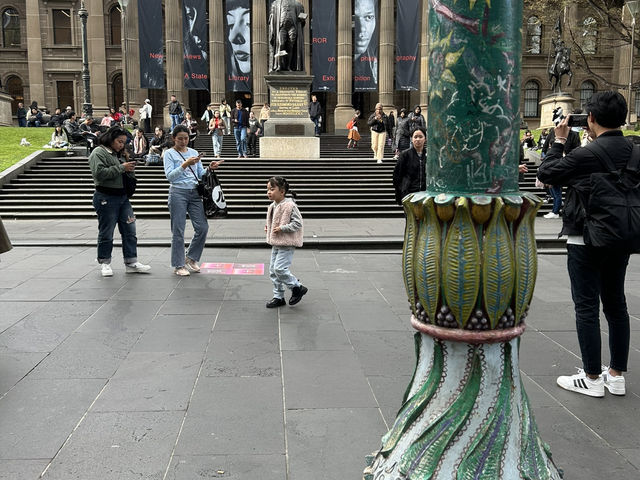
(284, 233)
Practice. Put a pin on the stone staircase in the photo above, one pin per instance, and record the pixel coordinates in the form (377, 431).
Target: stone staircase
(343, 183)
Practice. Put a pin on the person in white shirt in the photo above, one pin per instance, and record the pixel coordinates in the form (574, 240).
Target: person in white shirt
(145, 115)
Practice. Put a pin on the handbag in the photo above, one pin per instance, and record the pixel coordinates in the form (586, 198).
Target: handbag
(129, 183)
(200, 186)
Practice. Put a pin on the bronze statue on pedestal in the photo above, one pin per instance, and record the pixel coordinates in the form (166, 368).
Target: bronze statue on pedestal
(286, 39)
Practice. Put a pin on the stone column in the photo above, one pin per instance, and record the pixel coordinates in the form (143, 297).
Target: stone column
(173, 32)
(97, 54)
(424, 59)
(344, 110)
(216, 51)
(260, 53)
(307, 37)
(136, 94)
(34, 54)
(386, 61)
(469, 266)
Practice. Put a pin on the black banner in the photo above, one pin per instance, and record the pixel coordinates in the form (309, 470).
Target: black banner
(323, 46)
(150, 43)
(238, 45)
(195, 45)
(365, 45)
(408, 45)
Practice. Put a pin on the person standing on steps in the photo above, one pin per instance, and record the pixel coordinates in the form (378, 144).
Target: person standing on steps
(378, 123)
(240, 121)
(175, 112)
(284, 233)
(315, 113)
(409, 174)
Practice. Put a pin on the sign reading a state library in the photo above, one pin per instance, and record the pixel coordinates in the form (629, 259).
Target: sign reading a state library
(289, 101)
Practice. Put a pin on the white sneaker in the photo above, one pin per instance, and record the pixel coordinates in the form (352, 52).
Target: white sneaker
(615, 385)
(106, 270)
(137, 268)
(181, 272)
(379, 161)
(192, 265)
(580, 383)
(551, 215)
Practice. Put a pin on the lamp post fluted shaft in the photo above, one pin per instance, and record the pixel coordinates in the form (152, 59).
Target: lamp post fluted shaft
(87, 108)
(469, 264)
(125, 78)
(633, 34)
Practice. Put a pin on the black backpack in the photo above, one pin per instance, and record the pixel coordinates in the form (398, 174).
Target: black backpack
(612, 212)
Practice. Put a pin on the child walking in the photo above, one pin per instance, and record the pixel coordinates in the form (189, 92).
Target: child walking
(354, 135)
(284, 234)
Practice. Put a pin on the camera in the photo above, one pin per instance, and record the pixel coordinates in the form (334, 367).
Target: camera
(578, 120)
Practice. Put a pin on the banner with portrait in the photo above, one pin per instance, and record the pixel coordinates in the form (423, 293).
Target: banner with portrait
(408, 45)
(150, 43)
(238, 45)
(195, 45)
(365, 45)
(323, 46)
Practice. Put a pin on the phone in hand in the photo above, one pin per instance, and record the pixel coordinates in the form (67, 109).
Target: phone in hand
(578, 120)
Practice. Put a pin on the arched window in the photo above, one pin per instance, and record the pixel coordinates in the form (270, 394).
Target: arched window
(14, 88)
(117, 91)
(10, 28)
(589, 36)
(531, 98)
(115, 34)
(534, 35)
(587, 89)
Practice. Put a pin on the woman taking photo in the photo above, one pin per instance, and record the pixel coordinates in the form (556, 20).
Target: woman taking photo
(216, 130)
(108, 163)
(409, 173)
(183, 169)
(192, 126)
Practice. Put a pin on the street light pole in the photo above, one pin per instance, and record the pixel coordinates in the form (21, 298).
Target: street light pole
(633, 6)
(125, 80)
(87, 108)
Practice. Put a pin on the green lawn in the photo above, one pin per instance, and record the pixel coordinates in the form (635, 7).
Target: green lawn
(10, 150)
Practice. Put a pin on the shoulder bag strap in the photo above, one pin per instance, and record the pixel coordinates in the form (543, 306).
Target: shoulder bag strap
(194, 173)
(602, 155)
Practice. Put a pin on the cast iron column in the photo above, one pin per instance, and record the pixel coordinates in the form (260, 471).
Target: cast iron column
(87, 108)
(469, 264)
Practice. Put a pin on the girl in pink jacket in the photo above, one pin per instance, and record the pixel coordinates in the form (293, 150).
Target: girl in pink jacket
(284, 234)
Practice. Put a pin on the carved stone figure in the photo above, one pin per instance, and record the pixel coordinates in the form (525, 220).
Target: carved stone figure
(286, 39)
(561, 65)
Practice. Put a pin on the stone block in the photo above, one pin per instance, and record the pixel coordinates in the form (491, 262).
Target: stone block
(289, 147)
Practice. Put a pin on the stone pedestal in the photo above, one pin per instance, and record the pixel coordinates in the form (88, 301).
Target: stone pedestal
(289, 133)
(5, 110)
(551, 102)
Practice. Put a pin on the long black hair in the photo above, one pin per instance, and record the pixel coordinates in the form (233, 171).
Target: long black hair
(108, 137)
(282, 184)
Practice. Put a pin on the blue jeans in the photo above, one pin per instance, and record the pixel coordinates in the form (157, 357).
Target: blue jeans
(281, 258)
(182, 201)
(316, 122)
(556, 195)
(241, 140)
(22, 122)
(112, 210)
(598, 274)
(217, 143)
(175, 120)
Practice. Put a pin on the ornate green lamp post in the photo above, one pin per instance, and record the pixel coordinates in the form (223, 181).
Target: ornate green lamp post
(469, 264)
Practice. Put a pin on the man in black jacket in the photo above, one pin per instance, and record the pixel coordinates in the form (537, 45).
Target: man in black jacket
(595, 273)
(315, 113)
(240, 122)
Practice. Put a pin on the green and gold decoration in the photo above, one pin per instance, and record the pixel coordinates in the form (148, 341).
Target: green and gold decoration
(469, 264)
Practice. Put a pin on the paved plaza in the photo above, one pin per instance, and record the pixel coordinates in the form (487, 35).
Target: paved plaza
(160, 377)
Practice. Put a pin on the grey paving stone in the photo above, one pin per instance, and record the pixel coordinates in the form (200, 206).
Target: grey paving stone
(354, 291)
(40, 262)
(204, 281)
(22, 469)
(87, 355)
(88, 293)
(118, 446)
(385, 353)
(632, 455)
(176, 334)
(307, 334)
(36, 416)
(246, 315)
(12, 278)
(331, 443)
(196, 294)
(117, 316)
(14, 366)
(234, 415)
(36, 289)
(389, 391)
(188, 307)
(39, 332)
(148, 288)
(374, 315)
(243, 354)
(311, 310)
(12, 312)
(232, 467)
(151, 382)
(325, 379)
(541, 355)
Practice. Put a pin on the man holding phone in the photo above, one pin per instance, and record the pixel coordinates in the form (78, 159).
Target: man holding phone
(596, 273)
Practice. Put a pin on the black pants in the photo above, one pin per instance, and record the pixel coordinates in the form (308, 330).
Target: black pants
(252, 139)
(598, 273)
(146, 122)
